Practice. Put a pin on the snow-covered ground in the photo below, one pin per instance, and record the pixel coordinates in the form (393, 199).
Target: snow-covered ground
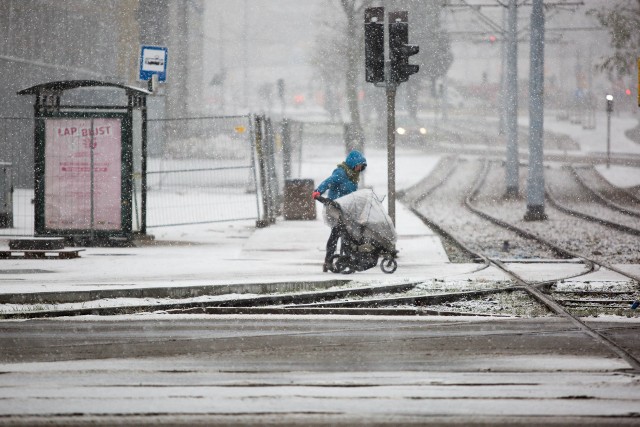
(595, 141)
(408, 369)
(237, 252)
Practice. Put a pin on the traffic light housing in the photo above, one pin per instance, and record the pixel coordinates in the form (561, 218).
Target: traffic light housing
(374, 44)
(399, 48)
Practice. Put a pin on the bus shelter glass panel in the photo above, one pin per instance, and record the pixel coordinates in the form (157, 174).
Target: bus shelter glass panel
(136, 134)
(83, 174)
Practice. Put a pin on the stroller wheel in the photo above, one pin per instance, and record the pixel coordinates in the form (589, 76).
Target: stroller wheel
(388, 265)
(348, 270)
(336, 265)
(341, 265)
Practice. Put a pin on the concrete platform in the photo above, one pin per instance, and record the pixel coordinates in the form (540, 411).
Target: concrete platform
(222, 254)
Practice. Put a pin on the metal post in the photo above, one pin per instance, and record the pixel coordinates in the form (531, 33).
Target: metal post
(252, 143)
(511, 103)
(264, 219)
(608, 140)
(535, 180)
(272, 178)
(143, 168)
(286, 149)
(391, 148)
(609, 111)
(92, 184)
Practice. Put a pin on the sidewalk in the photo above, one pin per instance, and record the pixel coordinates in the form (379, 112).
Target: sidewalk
(236, 253)
(217, 255)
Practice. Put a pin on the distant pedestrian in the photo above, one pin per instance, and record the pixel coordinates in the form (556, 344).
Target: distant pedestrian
(344, 180)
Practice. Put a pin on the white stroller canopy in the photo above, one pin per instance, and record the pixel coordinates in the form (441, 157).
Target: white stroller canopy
(364, 215)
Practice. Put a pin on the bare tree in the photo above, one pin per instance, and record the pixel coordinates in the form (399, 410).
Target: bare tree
(339, 53)
(340, 60)
(622, 19)
(354, 10)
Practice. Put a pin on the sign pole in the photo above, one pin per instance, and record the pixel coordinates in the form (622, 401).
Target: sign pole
(609, 111)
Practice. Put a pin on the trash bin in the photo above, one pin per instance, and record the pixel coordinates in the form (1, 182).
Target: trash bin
(6, 196)
(298, 203)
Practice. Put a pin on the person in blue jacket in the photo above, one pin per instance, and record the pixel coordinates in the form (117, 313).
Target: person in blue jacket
(343, 181)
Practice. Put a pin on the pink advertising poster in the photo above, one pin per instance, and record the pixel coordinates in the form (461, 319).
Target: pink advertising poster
(71, 147)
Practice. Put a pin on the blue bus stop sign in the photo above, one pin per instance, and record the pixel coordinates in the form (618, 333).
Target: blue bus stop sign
(153, 60)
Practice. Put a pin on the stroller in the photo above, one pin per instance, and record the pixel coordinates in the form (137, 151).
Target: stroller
(366, 232)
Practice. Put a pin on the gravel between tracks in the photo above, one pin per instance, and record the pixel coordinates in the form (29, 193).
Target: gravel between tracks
(444, 206)
(591, 239)
(619, 196)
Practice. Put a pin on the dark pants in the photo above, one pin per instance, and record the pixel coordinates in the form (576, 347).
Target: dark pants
(332, 242)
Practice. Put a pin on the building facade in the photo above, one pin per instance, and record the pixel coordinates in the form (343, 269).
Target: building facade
(49, 40)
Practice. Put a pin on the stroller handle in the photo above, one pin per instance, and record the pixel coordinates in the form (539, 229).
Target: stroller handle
(328, 202)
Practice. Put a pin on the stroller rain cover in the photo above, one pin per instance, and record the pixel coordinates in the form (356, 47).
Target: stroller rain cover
(364, 217)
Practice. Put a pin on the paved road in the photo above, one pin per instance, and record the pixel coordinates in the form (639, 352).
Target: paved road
(313, 370)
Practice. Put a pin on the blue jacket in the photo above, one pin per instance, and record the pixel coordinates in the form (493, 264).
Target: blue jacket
(339, 183)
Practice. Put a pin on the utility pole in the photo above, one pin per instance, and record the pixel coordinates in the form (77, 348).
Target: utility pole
(502, 120)
(512, 175)
(535, 180)
(510, 93)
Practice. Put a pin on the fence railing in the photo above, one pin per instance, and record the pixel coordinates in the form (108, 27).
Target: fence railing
(16, 182)
(199, 169)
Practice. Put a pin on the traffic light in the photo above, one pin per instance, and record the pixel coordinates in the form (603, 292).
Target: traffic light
(399, 48)
(374, 44)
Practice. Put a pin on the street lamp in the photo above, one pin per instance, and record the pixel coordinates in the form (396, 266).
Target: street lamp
(609, 111)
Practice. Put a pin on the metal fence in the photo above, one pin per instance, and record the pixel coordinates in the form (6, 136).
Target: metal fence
(16, 182)
(306, 138)
(199, 170)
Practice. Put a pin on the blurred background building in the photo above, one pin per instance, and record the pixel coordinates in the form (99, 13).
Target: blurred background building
(288, 57)
(49, 40)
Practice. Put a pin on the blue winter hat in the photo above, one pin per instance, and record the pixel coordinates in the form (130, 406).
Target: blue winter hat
(356, 158)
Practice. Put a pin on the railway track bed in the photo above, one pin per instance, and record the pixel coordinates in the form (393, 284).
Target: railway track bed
(488, 231)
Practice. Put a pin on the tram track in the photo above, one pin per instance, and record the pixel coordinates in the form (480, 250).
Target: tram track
(619, 199)
(410, 298)
(587, 203)
(562, 311)
(380, 303)
(540, 290)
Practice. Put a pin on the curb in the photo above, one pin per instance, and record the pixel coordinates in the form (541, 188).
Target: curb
(167, 292)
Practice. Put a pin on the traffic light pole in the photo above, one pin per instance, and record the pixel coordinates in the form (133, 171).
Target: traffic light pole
(388, 74)
(391, 148)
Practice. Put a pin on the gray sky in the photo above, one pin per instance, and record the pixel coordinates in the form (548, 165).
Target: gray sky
(274, 37)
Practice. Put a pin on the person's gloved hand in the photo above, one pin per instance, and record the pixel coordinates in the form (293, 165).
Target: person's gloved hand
(315, 194)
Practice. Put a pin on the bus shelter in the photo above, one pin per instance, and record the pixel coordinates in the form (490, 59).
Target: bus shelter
(90, 160)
